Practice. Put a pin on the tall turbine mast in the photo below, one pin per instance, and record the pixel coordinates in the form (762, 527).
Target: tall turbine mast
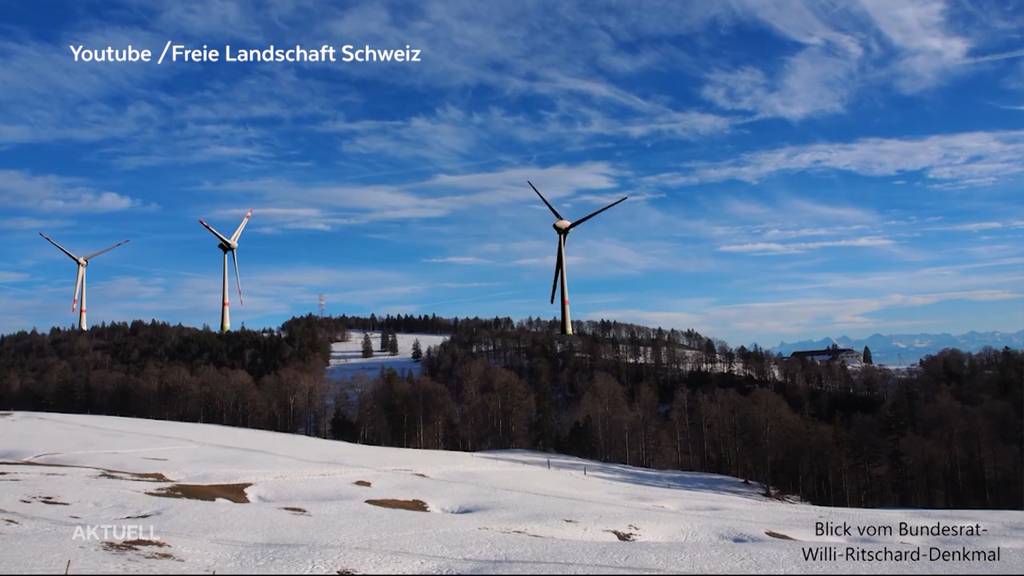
(229, 246)
(562, 228)
(80, 283)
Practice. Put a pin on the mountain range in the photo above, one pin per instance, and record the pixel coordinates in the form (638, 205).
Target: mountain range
(907, 349)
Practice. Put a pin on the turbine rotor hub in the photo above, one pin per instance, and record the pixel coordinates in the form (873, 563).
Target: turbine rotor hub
(562, 225)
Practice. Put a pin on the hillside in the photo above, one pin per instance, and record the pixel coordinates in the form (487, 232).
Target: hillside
(347, 359)
(306, 509)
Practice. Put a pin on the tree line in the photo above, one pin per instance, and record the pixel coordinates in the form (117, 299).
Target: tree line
(946, 434)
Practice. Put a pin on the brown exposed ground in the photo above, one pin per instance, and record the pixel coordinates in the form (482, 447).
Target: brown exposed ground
(106, 472)
(363, 483)
(623, 536)
(130, 545)
(778, 535)
(5, 414)
(44, 500)
(9, 521)
(206, 492)
(133, 546)
(296, 510)
(140, 476)
(412, 505)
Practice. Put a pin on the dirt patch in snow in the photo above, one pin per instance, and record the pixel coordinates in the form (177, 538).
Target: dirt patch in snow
(296, 510)
(140, 476)
(6, 414)
(778, 535)
(206, 492)
(363, 483)
(135, 545)
(105, 472)
(412, 505)
(9, 521)
(45, 500)
(623, 536)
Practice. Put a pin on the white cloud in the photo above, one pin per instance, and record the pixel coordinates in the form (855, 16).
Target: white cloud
(744, 322)
(466, 260)
(962, 159)
(775, 248)
(49, 193)
(291, 204)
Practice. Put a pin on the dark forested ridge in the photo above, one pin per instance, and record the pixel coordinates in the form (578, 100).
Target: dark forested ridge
(946, 434)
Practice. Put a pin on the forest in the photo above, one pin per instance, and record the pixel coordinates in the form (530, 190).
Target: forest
(947, 433)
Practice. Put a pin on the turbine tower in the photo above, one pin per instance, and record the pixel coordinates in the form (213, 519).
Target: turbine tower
(562, 228)
(83, 263)
(229, 245)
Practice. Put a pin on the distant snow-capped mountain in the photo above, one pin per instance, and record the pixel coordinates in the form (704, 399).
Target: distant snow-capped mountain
(905, 349)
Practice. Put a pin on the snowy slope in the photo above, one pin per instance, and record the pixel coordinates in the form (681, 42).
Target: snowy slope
(490, 512)
(347, 360)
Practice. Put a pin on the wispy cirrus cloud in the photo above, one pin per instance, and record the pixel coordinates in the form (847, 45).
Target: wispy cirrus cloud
(746, 322)
(297, 205)
(57, 194)
(961, 159)
(776, 248)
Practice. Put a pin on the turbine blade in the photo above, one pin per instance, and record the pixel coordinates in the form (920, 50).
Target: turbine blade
(105, 250)
(238, 278)
(78, 287)
(238, 231)
(59, 247)
(219, 236)
(546, 203)
(592, 214)
(558, 272)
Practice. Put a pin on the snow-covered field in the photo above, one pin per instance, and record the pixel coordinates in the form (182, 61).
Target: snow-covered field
(347, 357)
(486, 512)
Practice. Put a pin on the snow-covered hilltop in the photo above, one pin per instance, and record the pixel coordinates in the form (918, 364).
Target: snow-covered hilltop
(178, 497)
(347, 357)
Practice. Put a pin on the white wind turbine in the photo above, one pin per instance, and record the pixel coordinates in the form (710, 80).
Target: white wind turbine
(83, 263)
(562, 228)
(229, 245)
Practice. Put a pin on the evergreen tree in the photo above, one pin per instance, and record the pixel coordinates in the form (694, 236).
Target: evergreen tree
(393, 345)
(384, 340)
(367, 346)
(417, 350)
(867, 355)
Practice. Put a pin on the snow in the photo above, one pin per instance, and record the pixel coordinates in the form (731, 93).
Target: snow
(347, 357)
(488, 512)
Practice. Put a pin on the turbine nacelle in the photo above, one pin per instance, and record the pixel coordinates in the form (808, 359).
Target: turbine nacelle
(562, 226)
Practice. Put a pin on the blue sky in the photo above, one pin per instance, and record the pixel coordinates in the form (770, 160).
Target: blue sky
(795, 169)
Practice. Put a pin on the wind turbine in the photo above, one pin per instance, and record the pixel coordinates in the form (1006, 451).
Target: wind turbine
(229, 245)
(83, 263)
(562, 228)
